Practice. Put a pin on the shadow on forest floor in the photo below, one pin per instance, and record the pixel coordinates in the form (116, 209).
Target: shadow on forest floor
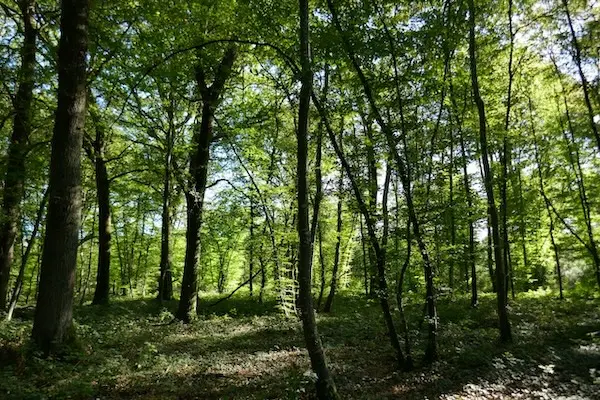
(242, 349)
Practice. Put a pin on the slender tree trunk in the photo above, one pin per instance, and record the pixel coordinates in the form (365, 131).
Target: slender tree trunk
(198, 177)
(251, 255)
(364, 257)
(372, 198)
(546, 203)
(505, 158)
(452, 219)
(14, 298)
(575, 161)
(52, 325)
(15, 167)
(338, 244)
(165, 282)
(86, 283)
(322, 269)
(522, 226)
(104, 219)
(431, 351)
(400, 284)
(325, 386)
(504, 323)
(470, 263)
(584, 82)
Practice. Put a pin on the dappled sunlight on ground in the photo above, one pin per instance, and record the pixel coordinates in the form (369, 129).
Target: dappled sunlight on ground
(131, 351)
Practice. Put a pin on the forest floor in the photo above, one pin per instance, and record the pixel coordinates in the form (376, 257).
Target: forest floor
(244, 350)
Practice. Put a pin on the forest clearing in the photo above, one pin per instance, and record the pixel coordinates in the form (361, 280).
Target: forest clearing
(299, 199)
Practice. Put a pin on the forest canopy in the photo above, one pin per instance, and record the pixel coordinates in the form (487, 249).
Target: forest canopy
(419, 180)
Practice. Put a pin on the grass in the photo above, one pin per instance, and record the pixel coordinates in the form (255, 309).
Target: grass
(242, 349)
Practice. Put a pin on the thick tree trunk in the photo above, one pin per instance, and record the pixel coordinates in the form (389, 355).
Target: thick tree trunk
(504, 323)
(15, 166)
(52, 325)
(195, 202)
(198, 177)
(325, 385)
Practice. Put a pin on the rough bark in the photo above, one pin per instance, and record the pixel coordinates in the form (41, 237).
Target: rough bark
(17, 148)
(194, 196)
(52, 325)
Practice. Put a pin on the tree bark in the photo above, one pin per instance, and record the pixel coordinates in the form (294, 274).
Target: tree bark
(325, 385)
(504, 323)
(14, 298)
(97, 153)
(338, 244)
(15, 167)
(584, 82)
(431, 351)
(52, 325)
(251, 255)
(538, 161)
(165, 282)
(470, 250)
(198, 177)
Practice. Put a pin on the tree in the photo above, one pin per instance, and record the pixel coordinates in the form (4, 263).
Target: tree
(325, 386)
(504, 323)
(15, 169)
(52, 325)
(211, 96)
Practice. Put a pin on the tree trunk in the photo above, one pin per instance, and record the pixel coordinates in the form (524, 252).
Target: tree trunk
(165, 282)
(15, 166)
(338, 244)
(505, 158)
(364, 256)
(322, 269)
(325, 385)
(538, 161)
(53, 321)
(19, 282)
(504, 323)
(470, 251)
(198, 177)
(104, 225)
(575, 161)
(251, 255)
(584, 82)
